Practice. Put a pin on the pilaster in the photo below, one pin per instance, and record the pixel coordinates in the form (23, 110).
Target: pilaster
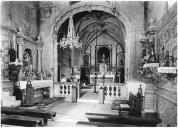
(39, 50)
(20, 43)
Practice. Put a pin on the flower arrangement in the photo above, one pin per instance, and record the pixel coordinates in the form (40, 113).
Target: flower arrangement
(39, 76)
(13, 72)
(147, 70)
(35, 75)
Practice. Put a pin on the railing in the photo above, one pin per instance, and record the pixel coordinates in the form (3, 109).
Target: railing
(64, 89)
(115, 91)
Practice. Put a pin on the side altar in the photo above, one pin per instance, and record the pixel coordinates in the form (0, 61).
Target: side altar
(42, 89)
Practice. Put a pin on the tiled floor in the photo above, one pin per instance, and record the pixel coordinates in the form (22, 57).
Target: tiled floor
(68, 114)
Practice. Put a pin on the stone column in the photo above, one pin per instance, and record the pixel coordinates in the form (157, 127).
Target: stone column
(55, 60)
(20, 38)
(93, 55)
(39, 50)
(113, 56)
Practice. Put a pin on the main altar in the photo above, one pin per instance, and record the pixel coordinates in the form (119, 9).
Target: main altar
(104, 75)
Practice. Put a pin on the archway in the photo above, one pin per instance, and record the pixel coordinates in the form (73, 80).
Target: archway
(81, 7)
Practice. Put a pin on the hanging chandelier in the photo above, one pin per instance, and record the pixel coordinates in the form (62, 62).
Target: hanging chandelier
(71, 40)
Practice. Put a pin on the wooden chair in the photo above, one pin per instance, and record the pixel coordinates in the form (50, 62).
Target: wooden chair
(133, 106)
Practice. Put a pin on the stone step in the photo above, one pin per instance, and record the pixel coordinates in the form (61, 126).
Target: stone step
(5, 93)
(8, 98)
(15, 103)
(149, 91)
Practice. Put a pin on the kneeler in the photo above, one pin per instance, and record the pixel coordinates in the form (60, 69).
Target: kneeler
(120, 105)
(124, 105)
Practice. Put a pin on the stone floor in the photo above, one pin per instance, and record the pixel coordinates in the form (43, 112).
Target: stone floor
(68, 114)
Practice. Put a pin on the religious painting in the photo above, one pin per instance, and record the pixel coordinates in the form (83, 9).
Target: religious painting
(120, 59)
(103, 55)
(5, 45)
(27, 61)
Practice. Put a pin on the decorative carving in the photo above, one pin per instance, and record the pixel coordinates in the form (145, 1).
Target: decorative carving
(5, 57)
(45, 10)
(167, 34)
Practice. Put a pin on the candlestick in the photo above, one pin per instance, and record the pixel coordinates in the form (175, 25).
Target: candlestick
(30, 68)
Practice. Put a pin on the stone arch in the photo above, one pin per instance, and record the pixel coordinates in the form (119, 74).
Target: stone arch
(80, 7)
(83, 6)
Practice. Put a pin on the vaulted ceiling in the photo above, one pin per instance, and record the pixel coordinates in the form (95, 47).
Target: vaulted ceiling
(91, 25)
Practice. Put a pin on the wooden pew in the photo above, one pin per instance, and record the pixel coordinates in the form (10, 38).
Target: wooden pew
(101, 124)
(130, 120)
(29, 112)
(21, 120)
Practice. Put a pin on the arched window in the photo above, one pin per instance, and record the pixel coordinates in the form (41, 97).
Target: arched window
(120, 60)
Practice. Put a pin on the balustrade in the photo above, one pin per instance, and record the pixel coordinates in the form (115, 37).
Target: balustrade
(115, 90)
(65, 89)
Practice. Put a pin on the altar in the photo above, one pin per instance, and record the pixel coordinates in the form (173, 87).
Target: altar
(109, 78)
(103, 75)
(41, 88)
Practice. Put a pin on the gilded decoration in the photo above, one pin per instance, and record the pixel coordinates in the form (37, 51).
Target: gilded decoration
(5, 45)
(167, 49)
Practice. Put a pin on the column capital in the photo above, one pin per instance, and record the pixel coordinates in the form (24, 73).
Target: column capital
(20, 37)
(20, 41)
(20, 32)
(39, 48)
(39, 40)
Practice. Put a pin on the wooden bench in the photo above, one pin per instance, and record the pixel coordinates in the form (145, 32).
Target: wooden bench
(129, 120)
(21, 120)
(101, 124)
(29, 112)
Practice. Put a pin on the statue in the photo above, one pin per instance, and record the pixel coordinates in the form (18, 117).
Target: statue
(152, 24)
(166, 59)
(27, 59)
(103, 58)
(27, 63)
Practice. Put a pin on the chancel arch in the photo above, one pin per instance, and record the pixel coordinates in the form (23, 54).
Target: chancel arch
(78, 11)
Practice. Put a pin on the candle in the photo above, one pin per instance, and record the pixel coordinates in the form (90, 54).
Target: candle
(14, 41)
(30, 68)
